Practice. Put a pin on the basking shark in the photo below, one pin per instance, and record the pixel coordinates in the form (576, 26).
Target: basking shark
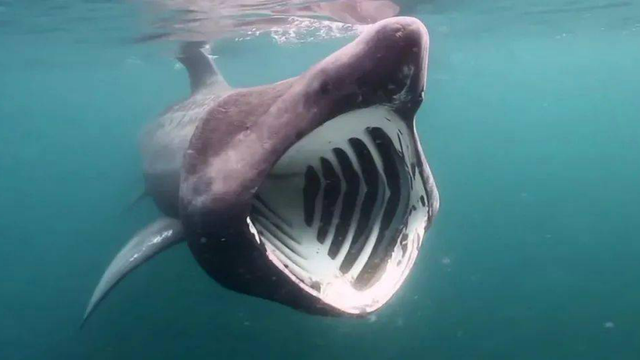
(313, 192)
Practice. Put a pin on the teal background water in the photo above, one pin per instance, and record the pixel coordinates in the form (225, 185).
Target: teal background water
(531, 125)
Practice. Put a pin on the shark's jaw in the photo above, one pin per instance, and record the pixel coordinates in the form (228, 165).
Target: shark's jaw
(343, 213)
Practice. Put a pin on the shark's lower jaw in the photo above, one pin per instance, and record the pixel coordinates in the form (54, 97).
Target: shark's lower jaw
(343, 213)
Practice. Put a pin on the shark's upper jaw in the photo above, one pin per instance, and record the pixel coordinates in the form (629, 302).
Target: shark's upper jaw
(344, 211)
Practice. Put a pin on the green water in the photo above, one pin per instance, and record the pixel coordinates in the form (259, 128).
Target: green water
(531, 125)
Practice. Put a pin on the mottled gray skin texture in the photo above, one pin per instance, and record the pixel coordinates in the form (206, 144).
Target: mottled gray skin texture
(165, 141)
(239, 137)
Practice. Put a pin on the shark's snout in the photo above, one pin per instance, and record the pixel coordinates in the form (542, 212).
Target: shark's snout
(405, 41)
(386, 65)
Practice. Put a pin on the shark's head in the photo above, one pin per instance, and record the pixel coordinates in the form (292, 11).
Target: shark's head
(314, 192)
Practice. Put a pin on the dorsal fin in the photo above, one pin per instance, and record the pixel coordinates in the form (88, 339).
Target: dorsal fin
(147, 243)
(194, 55)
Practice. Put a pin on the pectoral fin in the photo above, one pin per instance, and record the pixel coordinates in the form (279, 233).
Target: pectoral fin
(148, 242)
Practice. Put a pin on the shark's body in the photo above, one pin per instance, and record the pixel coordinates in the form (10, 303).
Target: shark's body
(312, 192)
(164, 142)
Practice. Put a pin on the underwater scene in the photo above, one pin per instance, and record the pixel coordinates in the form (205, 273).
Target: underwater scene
(320, 179)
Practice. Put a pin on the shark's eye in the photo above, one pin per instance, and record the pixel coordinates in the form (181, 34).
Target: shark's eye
(325, 88)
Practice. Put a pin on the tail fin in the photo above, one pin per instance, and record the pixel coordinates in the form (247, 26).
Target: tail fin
(147, 243)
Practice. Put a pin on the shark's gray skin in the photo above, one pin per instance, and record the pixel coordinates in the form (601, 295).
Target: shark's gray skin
(313, 192)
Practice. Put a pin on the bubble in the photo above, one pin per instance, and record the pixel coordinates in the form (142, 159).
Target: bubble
(609, 325)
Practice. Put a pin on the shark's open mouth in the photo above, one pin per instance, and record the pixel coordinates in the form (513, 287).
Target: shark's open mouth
(343, 212)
